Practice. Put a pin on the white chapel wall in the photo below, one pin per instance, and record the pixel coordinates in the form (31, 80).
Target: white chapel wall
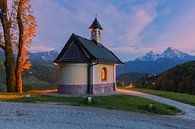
(73, 74)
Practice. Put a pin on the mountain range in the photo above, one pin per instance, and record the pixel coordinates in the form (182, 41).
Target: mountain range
(169, 53)
(155, 63)
(41, 75)
(49, 55)
(41, 58)
(149, 63)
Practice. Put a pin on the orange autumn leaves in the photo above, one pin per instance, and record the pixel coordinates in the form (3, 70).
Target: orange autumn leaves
(27, 29)
(18, 29)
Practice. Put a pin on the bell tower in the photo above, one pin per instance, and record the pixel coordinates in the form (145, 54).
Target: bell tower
(96, 31)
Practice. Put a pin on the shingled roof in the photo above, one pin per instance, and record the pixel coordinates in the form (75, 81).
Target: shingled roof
(91, 50)
(96, 25)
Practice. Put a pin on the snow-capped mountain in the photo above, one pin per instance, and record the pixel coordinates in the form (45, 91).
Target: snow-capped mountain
(173, 53)
(46, 56)
(148, 57)
(43, 58)
(169, 53)
(155, 63)
(38, 57)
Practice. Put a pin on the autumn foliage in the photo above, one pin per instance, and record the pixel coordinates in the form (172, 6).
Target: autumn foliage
(27, 29)
(22, 30)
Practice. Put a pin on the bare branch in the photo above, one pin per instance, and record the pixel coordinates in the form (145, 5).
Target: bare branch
(2, 46)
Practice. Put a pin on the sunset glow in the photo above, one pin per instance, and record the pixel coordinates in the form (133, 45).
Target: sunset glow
(132, 28)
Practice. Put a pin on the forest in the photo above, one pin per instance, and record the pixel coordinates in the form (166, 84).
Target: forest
(180, 78)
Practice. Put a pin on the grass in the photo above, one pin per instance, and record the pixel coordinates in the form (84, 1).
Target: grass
(181, 97)
(115, 102)
(15, 96)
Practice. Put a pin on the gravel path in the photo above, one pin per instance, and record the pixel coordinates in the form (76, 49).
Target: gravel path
(189, 110)
(43, 116)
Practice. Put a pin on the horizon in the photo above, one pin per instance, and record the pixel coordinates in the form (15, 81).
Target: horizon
(156, 53)
(131, 28)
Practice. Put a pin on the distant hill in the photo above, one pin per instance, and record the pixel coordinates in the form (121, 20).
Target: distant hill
(155, 63)
(37, 77)
(2, 69)
(43, 58)
(128, 78)
(2, 73)
(41, 74)
(181, 78)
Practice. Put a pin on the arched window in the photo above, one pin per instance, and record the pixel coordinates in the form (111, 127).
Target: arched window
(104, 74)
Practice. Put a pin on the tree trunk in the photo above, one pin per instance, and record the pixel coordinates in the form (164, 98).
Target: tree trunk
(21, 51)
(9, 60)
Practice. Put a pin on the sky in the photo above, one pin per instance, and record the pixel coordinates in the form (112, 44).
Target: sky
(131, 28)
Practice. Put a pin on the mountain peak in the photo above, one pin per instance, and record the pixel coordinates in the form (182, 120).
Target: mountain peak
(47, 55)
(150, 53)
(172, 50)
(169, 53)
(148, 57)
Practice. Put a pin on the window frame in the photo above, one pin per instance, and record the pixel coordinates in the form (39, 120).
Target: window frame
(106, 75)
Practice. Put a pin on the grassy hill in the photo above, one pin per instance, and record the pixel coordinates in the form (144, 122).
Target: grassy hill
(37, 77)
(41, 75)
(130, 77)
(181, 78)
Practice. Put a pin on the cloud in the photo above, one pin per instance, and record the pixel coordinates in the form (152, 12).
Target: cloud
(123, 28)
(40, 49)
(180, 33)
(131, 28)
(58, 19)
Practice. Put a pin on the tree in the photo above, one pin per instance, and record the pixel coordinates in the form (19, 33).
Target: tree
(27, 29)
(19, 27)
(9, 55)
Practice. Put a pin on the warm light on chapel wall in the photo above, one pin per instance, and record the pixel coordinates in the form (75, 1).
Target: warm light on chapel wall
(104, 74)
